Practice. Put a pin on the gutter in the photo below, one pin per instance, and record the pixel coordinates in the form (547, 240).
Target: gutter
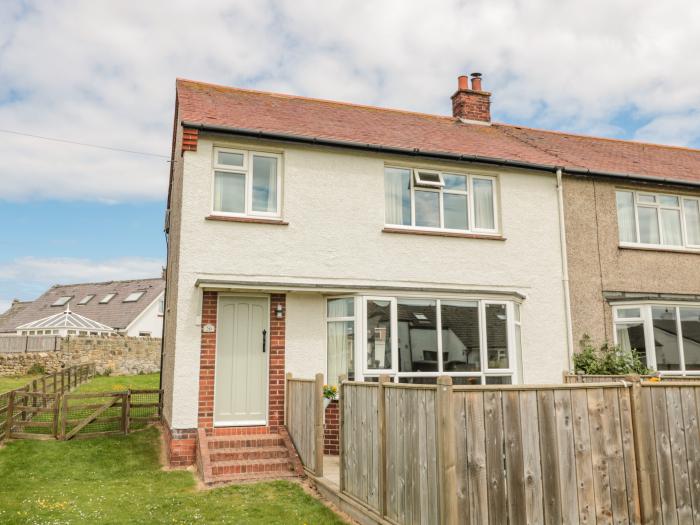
(565, 271)
(441, 155)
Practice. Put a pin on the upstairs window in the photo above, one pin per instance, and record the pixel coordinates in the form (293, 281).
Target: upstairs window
(61, 301)
(246, 183)
(435, 200)
(658, 220)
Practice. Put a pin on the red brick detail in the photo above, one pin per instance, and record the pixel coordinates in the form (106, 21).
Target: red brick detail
(472, 105)
(190, 136)
(207, 360)
(180, 446)
(331, 430)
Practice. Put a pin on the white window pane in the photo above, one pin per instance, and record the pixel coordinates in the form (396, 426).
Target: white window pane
(667, 200)
(461, 345)
(692, 221)
(690, 328)
(626, 313)
(666, 338)
(630, 336)
(671, 224)
(497, 336)
(343, 307)
(264, 184)
(625, 216)
(648, 225)
(229, 192)
(427, 208)
(397, 196)
(417, 335)
(455, 210)
(646, 198)
(228, 158)
(378, 334)
(341, 342)
(483, 204)
(455, 182)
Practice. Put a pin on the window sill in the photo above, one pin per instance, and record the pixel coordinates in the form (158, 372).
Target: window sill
(416, 231)
(253, 220)
(658, 249)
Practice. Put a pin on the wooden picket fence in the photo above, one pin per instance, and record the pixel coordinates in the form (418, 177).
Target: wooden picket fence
(39, 396)
(572, 453)
(304, 420)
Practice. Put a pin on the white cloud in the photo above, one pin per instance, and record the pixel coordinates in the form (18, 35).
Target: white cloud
(28, 277)
(103, 72)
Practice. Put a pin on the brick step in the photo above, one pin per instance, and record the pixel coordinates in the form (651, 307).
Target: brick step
(248, 453)
(252, 467)
(245, 441)
(250, 478)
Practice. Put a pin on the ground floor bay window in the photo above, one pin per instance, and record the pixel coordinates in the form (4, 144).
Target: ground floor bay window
(666, 336)
(416, 339)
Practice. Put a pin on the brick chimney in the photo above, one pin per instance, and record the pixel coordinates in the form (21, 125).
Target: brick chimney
(471, 104)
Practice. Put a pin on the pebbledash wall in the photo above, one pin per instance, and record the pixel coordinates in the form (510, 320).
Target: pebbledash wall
(120, 355)
(333, 212)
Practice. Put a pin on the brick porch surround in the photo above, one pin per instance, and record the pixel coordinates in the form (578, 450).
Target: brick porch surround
(182, 444)
(331, 430)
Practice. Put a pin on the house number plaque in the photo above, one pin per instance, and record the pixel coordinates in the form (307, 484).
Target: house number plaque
(208, 329)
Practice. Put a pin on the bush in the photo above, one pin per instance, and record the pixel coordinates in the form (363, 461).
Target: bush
(106, 373)
(607, 359)
(37, 369)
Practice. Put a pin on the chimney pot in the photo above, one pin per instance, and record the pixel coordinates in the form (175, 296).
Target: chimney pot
(462, 82)
(471, 104)
(476, 81)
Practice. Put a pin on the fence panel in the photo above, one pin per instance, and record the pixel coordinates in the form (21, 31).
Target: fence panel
(304, 420)
(360, 442)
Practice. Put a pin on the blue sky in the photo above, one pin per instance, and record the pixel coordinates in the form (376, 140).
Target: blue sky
(103, 73)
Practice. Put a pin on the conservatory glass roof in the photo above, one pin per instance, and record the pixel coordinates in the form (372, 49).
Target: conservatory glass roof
(66, 319)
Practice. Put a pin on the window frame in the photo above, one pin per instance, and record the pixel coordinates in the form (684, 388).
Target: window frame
(329, 319)
(247, 171)
(108, 297)
(85, 300)
(63, 300)
(128, 299)
(441, 190)
(658, 207)
(649, 340)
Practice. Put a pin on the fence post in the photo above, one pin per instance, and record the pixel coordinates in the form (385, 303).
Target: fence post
(56, 413)
(381, 430)
(318, 426)
(126, 408)
(287, 377)
(341, 444)
(64, 416)
(10, 415)
(642, 426)
(445, 441)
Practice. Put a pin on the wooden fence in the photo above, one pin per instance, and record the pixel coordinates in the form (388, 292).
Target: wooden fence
(578, 453)
(41, 393)
(304, 420)
(29, 343)
(588, 378)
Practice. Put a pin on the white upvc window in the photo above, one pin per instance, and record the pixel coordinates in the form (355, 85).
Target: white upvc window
(666, 336)
(440, 200)
(340, 339)
(416, 339)
(247, 183)
(658, 220)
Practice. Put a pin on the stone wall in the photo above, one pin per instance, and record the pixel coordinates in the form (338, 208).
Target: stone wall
(119, 355)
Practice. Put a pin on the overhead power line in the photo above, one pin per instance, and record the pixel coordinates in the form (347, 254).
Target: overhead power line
(85, 144)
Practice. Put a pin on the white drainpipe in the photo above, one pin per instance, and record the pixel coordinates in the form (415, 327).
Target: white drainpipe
(565, 271)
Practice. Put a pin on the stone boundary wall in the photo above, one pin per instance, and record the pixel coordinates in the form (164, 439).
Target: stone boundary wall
(119, 355)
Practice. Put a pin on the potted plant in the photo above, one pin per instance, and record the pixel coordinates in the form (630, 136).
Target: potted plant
(330, 392)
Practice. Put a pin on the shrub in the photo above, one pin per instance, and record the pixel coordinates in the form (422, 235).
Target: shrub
(106, 372)
(37, 369)
(607, 359)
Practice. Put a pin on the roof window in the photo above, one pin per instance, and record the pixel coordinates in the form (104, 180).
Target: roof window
(61, 301)
(107, 298)
(134, 296)
(86, 299)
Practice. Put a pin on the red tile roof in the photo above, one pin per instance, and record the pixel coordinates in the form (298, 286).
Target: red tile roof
(213, 105)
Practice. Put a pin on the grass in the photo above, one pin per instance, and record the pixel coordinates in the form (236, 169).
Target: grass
(118, 480)
(118, 383)
(12, 382)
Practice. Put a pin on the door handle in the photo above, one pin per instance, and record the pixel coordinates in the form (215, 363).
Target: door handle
(264, 340)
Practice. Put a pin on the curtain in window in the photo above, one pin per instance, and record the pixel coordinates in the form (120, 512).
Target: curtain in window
(397, 196)
(340, 340)
(692, 221)
(623, 338)
(671, 224)
(625, 216)
(483, 204)
(264, 184)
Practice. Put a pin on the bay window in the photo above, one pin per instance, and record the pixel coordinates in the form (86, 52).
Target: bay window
(416, 339)
(246, 183)
(665, 336)
(425, 199)
(658, 220)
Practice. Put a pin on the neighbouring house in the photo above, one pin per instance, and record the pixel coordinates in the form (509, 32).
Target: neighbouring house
(132, 308)
(308, 236)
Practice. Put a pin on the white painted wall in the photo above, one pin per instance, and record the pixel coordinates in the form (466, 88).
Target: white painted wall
(334, 202)
(148, 321)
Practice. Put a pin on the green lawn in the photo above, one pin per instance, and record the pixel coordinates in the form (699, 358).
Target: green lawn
(118, 383)
(118, 480)
(12, 382)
